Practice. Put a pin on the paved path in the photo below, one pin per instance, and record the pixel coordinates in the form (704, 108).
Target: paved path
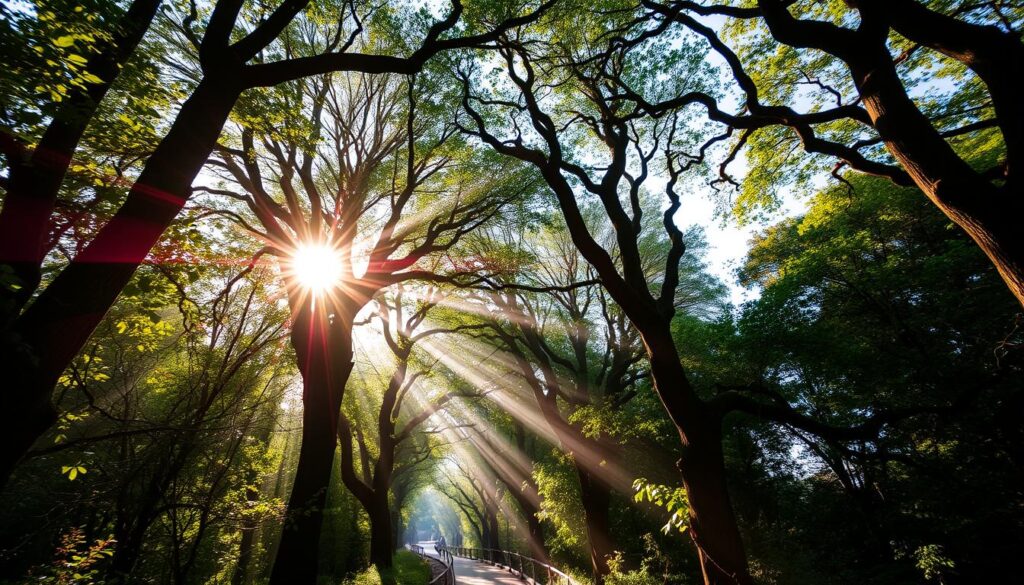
(469, 572)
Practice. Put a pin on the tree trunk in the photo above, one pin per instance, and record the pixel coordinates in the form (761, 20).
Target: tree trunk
(34, 179)
(126, 555)
(485, 532)
(493, 534)
(324, 351)
(538, 548)
(57, 325)
(381, 541)
(26, 409)
(712, 520)
(397, 529)
(990, 215)
(595, 496)
(245, 550)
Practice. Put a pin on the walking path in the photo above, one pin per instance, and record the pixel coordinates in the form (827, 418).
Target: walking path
(470, 572)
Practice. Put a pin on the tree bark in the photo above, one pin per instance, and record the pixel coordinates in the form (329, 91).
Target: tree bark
(323, 349)
(373, 496)
(702, 467)
(34, 179)
(595, 496)
(990, 215)
(381, 540)
(995, 55)
(493, 527)
(57, 325)
(397, 528)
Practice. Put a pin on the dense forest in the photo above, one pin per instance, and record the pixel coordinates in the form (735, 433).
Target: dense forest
(648, 291)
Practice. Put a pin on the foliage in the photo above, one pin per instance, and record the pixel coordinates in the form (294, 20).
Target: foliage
(672, 499)
(655, 568)
(873, 302)
(77, 562)
(878, 353)
(555, 481)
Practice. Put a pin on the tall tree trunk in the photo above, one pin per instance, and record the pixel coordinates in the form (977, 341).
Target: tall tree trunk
(34, 178)
(397, 528)
(702, 466)
(381, 540)
(492, 529)
(538, 548)
(323, 348)
(595, 496)
(57, 325)
(382, 547)
(485, 532)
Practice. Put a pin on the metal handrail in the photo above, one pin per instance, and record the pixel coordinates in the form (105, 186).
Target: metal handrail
(444, 556)
(517, 564)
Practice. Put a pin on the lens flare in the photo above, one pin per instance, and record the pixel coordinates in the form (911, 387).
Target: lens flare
(316, 267)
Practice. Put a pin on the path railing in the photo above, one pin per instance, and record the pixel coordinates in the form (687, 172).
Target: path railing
(520, 565)
(447, 577)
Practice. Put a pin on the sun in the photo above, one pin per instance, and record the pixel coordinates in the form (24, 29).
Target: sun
(317, 267)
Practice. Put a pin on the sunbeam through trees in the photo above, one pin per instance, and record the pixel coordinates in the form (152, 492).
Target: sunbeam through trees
(625, 292)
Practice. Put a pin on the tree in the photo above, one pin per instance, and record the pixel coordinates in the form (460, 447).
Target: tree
(356, 152)
(607, 386)
(164, 419)
(55, 327)
(35, 172)
(872, 303)
(844, 51)
(624, 139)
(403, 410)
